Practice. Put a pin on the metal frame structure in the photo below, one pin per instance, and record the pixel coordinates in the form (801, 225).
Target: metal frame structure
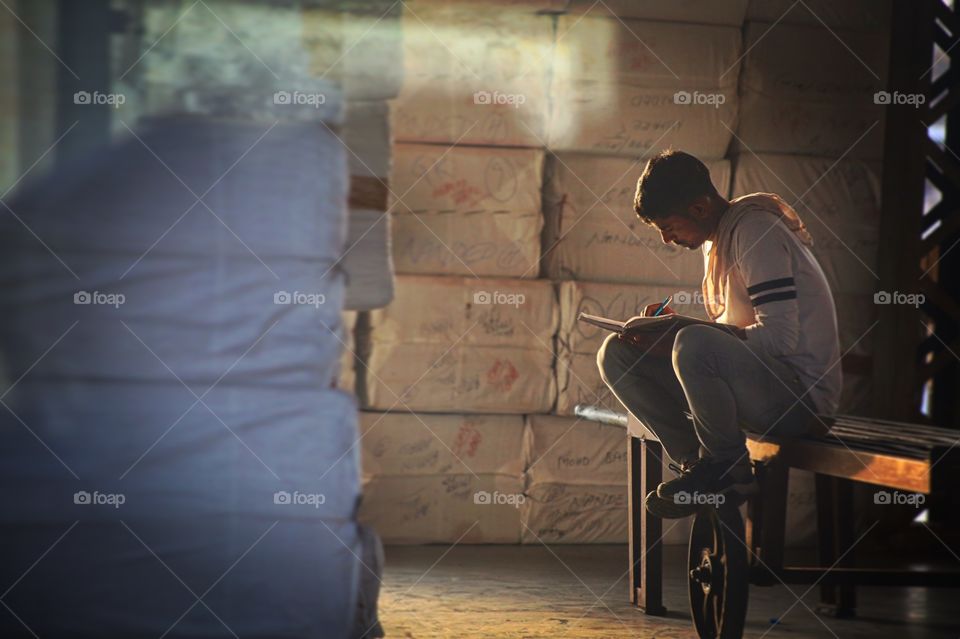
(917, 348)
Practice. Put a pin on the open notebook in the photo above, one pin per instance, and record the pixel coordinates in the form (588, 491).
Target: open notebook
(639, 325)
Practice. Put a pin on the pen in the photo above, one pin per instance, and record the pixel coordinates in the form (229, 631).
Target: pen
(663, 305)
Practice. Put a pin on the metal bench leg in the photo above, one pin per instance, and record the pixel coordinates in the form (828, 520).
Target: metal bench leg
(834, 537)
(644, 473)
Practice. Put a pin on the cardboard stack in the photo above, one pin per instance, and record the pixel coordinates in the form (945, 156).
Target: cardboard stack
(474, 76)
(633, 87)
(575, 482)
(467, 210)
(871, 16)
(729, 13)
(471, 330)
(464, 344)
(809, 90)
(442, 478)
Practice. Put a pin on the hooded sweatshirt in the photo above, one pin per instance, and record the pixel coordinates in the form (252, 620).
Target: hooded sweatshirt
(761, 275)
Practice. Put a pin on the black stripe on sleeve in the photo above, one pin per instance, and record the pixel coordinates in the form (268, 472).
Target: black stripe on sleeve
(774, 297)
(770, 284)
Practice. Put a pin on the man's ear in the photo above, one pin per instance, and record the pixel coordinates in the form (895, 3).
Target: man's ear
(700, 208)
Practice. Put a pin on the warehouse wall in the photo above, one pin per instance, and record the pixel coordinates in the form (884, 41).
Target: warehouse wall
(518, 138)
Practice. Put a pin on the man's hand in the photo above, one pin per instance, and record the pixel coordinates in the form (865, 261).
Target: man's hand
(650, 309)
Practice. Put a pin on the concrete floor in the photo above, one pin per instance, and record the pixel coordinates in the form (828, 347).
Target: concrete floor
(527, 592)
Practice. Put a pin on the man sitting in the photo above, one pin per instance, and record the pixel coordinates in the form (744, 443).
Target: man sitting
(768, 362)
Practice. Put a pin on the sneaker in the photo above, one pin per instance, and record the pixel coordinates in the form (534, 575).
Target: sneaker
(706, 477)
(668, 508)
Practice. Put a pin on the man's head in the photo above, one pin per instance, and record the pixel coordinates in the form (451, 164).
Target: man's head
(675, 195)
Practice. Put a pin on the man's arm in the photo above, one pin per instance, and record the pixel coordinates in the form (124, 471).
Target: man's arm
(763, 257)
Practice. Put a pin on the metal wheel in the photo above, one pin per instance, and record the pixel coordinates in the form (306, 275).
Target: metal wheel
(719, 580)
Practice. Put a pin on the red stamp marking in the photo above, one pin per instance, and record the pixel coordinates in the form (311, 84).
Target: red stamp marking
(467, 441)
(458, 190)
(502, 375)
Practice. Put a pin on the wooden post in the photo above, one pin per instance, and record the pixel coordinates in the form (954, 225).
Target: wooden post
(835, 537)
(897, 334)
(644, 473)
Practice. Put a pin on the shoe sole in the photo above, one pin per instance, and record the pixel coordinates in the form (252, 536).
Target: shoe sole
(745, 489)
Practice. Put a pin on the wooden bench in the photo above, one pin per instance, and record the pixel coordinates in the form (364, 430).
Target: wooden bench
(911, 458)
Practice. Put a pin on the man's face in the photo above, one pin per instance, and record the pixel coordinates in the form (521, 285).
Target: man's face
(682, 230)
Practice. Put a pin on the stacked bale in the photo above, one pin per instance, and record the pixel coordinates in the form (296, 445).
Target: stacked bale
(471, 330)
(476, 345)
(467, 210)
(639, 91)
(433, 478)
(575, 482)
(473, 76)
(175, 335)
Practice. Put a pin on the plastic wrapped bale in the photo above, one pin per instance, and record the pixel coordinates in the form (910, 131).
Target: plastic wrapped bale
(179, 466)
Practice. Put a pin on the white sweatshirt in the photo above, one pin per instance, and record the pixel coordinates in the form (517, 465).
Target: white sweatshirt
(777, 291)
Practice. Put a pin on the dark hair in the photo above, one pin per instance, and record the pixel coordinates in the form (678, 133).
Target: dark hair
(670, 182)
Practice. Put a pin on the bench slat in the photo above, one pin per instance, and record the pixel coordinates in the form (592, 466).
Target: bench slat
(891, 471)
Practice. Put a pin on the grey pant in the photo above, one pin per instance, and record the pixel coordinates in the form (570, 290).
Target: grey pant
(711, 387)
